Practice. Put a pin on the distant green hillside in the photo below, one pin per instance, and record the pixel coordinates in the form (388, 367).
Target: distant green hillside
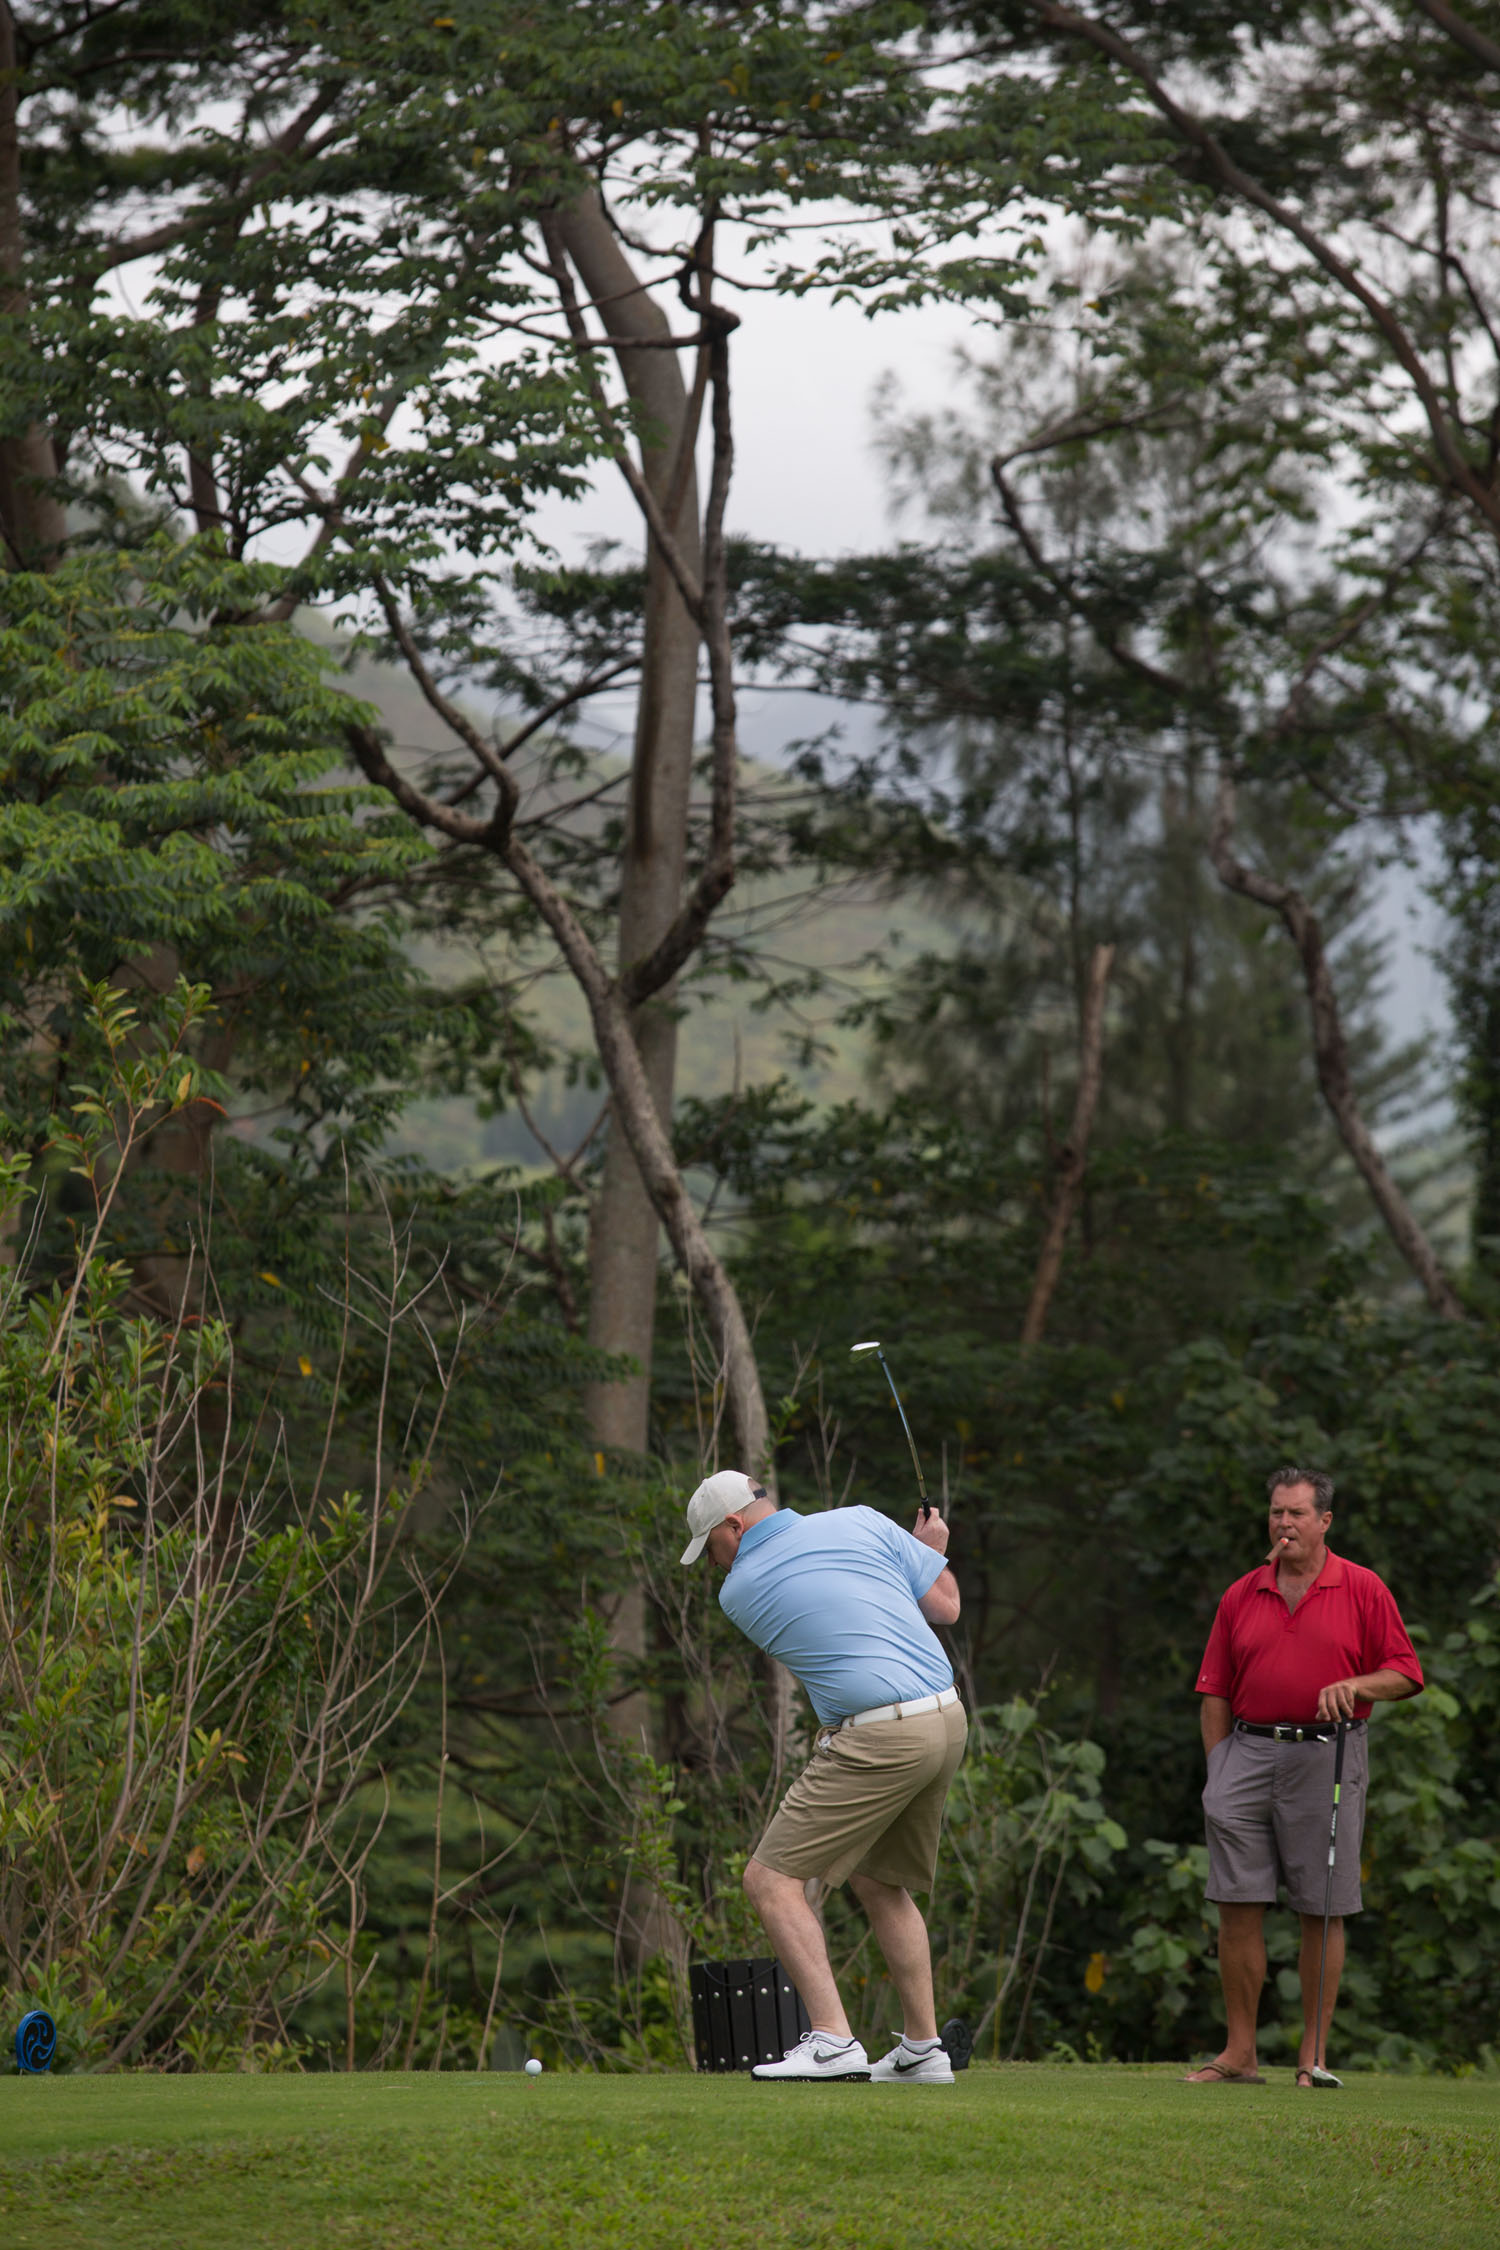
(798, 925)
(725, 1040)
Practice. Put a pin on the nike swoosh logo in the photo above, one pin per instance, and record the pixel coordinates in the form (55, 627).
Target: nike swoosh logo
(829, 2054)
(905, 2067)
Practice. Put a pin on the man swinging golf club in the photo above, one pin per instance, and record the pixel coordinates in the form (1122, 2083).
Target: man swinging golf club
(1300, 1650)
(847, 1601)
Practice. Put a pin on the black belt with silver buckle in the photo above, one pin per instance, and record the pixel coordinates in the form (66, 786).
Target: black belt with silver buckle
(1288, 1732)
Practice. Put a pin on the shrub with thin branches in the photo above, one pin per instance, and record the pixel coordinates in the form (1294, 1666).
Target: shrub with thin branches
(200, 1661)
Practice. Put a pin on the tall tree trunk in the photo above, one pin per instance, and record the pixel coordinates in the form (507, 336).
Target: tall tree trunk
(1484, 1108)
(1331, 1053)
(624, 1234)
(624, 1229)
(32, 524)
(615, 1000)
(1073, 1161)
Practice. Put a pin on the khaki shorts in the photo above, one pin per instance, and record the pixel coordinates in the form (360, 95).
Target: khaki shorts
(870, 1802)
(1266, 1808)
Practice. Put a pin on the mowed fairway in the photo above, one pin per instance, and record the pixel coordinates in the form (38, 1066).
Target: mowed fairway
(1068, 2159)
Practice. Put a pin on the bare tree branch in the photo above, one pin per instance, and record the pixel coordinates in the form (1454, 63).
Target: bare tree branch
(620, 1056)
(168, 236)
(564, 702)
(1349, 627)
(716, 876)
(651, 1146)
(1331, 1053)
(429, 812)
(1123, 656)
(1475, 43)
(490, 761)
(1073, 429)
(1447, 440)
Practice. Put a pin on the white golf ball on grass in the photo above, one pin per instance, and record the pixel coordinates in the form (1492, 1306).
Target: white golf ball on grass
(533, 2068)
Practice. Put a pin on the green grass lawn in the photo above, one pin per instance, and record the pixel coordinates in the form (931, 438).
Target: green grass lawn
(1062, 2159)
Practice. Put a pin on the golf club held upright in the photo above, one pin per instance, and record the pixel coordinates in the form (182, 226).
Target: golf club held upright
(1320, 2074)
(872, 1344)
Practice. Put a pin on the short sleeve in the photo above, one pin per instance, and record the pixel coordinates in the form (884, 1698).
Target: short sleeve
(921, 1566)
(1387, 1644)
(1216, 1672)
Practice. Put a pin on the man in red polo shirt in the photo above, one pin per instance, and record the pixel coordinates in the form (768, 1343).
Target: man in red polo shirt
(1306, 1640)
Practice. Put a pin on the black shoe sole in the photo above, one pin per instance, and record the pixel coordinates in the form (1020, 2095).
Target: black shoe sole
(957, 2042)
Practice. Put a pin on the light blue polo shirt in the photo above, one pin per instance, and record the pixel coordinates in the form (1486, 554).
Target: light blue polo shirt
(834, 1597)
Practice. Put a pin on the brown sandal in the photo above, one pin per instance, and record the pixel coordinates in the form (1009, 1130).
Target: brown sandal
(1214, 2074)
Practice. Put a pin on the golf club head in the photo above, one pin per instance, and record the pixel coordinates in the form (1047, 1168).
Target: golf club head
(872, 1344)
(1322, 2077)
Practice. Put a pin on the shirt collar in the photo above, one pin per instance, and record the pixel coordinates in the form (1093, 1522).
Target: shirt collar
(1331, 1574)
(767, 1528)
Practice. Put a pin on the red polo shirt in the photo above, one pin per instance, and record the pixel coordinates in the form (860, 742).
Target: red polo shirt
(1270, 1661)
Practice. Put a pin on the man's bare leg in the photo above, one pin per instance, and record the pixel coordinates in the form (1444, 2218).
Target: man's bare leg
(901, 1934)
(1242, 1972)
(1307, 1968)
(798, 1943)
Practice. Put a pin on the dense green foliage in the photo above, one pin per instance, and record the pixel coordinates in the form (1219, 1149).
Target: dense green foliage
(171, 797)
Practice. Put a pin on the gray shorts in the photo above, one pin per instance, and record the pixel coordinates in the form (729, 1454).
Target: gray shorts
(1266, 1808)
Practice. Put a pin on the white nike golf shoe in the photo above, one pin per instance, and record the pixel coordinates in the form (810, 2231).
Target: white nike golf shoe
(903, 2067)
(818, 2055)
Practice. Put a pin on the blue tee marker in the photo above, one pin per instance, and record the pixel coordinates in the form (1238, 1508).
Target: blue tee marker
(36, 2043)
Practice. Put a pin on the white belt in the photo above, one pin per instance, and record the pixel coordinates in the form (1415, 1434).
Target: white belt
(912, 1710)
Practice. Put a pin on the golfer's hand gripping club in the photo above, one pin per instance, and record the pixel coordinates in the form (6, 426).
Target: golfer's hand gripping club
(931, 1529)
(1339, 1700)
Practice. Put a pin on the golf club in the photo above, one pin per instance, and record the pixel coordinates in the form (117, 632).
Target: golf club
(872, 1344)
(1320, 2074)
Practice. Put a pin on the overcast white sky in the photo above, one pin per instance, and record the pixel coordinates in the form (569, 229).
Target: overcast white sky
(802, 374)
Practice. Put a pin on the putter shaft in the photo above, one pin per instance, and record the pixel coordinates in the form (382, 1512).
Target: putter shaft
(1320, 2074)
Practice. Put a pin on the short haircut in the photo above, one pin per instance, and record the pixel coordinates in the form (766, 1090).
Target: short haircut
(1319, 1479)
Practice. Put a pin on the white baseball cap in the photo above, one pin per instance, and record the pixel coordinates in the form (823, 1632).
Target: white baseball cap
(718, 1496)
